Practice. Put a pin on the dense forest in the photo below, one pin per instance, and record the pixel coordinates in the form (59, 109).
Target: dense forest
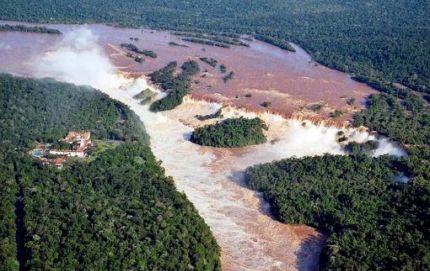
(231, 133)
(382, 41)
(375, 221)
(117, 211)
(406, 120)
(57, 108)
(176, 86)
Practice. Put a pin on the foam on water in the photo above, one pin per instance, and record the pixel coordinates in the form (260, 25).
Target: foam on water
(212, 178)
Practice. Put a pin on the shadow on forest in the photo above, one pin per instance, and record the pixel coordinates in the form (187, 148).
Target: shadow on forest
(308, 257)
(238, 176)
(310, 248)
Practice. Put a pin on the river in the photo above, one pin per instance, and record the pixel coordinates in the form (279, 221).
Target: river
(211, 178)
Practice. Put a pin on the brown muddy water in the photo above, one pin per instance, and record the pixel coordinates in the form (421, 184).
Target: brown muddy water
(249, 237)
(291, 82)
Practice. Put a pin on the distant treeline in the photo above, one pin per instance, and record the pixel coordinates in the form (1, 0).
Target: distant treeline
(407, 120)
(382, 41)
(374, 221)
(117, 211)
(33, 29)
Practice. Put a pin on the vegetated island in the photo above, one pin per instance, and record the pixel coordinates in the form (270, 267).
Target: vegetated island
(176, 86)
(145, 96)
(375, 220)
(31, 29)
(238, 132)
(217, 114)
(133, 48)
(220, 40)
(341, 37)
(117, 211)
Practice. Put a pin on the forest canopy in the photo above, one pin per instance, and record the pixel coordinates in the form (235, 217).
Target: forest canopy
(375, 221)
(229, 133)
(176, 87)
(381, 41)
(117, 211)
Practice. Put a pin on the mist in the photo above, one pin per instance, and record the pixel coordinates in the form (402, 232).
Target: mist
(211, 178)
(80, 60)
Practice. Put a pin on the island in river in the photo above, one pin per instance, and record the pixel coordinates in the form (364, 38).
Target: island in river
(290, 83)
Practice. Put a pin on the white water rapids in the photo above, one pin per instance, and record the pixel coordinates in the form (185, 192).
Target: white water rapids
(212, 178)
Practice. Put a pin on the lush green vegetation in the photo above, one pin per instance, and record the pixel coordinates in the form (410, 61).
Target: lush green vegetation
(8, 192)
(32, 29)
(117, 211)
(57, 108)
(375, 223)
(383, 41)
(373, 219)
(133, 48)
(164, 77)
(100, 146)
(355, 148)
(176, 86)
(406, 120)
(277, 42)
(231, 133)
